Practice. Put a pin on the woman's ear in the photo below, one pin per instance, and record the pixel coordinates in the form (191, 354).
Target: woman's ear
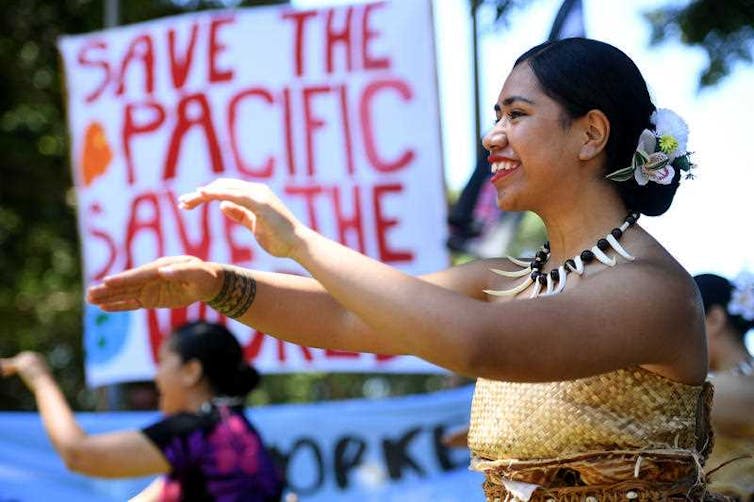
(191, 372)
(596, 133)
(716, 319)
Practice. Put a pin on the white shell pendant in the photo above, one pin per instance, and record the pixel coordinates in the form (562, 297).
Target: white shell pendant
(549, 284)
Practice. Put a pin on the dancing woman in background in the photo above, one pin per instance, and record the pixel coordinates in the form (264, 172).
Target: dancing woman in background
(729, 315)
(591, 357)
(205, 446)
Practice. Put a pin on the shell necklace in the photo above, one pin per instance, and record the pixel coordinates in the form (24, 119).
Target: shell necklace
(554, 282)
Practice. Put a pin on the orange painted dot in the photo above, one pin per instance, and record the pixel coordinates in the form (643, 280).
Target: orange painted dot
(97, 153)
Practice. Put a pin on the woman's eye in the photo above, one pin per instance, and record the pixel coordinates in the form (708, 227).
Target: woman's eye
(514, 114)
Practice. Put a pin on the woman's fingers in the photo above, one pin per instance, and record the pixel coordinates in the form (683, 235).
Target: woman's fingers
(190, 200)
(102, 294)
(242, 193)
(7, 367)
(239, 214)
(129, 283)
(23, 364)
(169, 282)
(120, 306)
(208, 192)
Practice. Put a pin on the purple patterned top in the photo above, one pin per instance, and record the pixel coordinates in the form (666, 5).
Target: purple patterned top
(215, 455)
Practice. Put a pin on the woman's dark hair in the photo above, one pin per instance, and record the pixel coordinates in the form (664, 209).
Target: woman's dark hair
(717, 290)
(583, 75)
(220, 355)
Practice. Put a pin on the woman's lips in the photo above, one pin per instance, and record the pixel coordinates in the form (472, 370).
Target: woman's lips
(502, 166)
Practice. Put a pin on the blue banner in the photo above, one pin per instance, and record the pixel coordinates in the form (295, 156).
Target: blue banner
(386, 450)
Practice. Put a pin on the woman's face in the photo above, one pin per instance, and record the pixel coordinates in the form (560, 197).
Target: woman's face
(532, 148)
(171, 380)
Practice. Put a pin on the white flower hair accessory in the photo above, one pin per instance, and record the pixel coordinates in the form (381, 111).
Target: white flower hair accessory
(659, 152)
(742, 297)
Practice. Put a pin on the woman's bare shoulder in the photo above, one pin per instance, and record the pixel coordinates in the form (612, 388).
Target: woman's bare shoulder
(661, 291)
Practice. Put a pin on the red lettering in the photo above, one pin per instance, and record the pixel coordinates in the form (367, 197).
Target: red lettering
(266, 170)
(342, 37)
(132, 128)
(311, 124)
(137, 223)
(155, 334)
(382, 224)
(346, 128)
(368, 34)
(178, 317)
(238, 254)
(85, 60)
(305, 351)
(353, 223)
(299, 19)
(310, 193)
(112, 252)
(180, 65)
(288, 126)
(370, 146)
(184, 124)
(216, 47)
(203, 313)
(141, 48)
(199, 249)
(95, 209)
(254, 347)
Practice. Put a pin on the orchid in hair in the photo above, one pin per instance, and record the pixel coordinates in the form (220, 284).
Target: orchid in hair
(659, 152)
(742, 297)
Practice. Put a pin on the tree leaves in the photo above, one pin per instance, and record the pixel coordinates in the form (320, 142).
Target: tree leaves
(724, 29)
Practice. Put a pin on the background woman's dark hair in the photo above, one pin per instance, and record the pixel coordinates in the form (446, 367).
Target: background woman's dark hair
(220, 355)
(717, 290)
(583, 75)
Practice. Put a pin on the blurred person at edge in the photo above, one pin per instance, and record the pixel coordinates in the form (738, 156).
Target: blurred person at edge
(729, 315)
(205, 446)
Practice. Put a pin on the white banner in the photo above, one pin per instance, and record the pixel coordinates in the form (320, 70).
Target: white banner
(385, 450)
(335, 108)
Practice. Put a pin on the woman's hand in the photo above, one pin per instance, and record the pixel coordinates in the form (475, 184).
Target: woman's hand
(169, 282)
(254, 206)
(29, 366)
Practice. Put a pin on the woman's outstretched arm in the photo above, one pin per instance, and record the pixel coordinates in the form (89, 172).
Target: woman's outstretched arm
(115, 454)
(613, 323)
(295, 308)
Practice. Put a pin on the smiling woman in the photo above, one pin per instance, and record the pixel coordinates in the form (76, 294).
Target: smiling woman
(587, 389)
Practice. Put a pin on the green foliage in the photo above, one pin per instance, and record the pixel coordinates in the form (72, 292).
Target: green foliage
(308, 387)
(724, 29)
(40, 285)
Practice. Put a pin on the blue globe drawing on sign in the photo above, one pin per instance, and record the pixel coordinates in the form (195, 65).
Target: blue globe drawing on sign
(104, 333)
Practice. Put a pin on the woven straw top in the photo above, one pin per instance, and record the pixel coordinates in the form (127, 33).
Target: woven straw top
(628, 409)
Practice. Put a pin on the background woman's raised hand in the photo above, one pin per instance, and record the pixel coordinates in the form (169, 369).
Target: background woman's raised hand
(29, 366)
(169, 282)
(254, 206)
